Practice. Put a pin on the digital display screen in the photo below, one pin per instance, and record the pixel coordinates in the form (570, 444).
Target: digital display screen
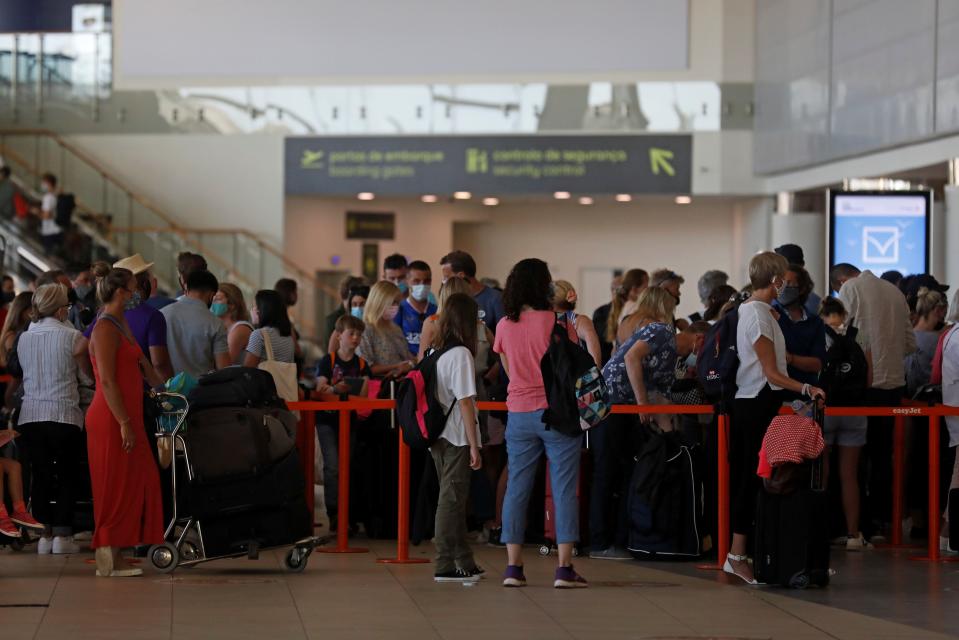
(880, 231)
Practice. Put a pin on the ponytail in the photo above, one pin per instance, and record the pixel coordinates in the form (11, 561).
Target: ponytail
(631, 279)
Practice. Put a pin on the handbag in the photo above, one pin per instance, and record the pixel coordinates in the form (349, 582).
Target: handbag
(284, 373)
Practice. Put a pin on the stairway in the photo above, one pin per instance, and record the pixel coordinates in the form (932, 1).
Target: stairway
(120, 222)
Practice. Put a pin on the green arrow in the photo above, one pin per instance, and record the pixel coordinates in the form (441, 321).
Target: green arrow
(659, 159)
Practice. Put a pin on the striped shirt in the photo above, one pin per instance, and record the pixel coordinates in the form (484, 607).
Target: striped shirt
(50, 392)
(283, 349)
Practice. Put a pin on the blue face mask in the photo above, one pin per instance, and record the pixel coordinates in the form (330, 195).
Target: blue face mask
(357, 312)
(219, 309)
(133, 302)
(403, 287)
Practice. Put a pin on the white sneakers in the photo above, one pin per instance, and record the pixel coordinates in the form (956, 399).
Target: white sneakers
(58, 545)
(857, 543)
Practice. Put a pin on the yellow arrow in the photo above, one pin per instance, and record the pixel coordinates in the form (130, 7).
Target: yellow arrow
(659, 159)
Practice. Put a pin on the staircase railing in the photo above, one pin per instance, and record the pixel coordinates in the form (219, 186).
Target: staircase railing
(127, 222)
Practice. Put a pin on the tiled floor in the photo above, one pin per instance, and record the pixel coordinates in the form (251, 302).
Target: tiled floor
(353, 597)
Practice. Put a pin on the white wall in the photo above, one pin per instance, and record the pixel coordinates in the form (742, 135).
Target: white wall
(316, 230)
(649, 233)
(199, 180)
(188, 43)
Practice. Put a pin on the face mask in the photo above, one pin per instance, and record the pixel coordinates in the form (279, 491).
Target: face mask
(357, 312)
(83, 290)
(391, 312)
(788, 295)
(219, 309)
(133, 302)
(403, 287)
(691, 360)
(420, 292)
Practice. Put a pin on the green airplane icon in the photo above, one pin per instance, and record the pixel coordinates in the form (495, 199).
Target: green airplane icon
(311, 159)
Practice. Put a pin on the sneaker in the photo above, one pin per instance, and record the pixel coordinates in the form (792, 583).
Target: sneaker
(477, 571)
(839, 541)
(44, 546)
(8, 528)
(83, 536)
(514, 576)
(857, 543)
(63, 545)
(567, 578)
(456, 575)
(24, 519)
(611, 553)
(494, 538)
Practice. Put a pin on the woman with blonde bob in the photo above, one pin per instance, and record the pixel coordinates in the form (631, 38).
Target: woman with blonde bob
(564, 301)
(760, 380)
(384, 346)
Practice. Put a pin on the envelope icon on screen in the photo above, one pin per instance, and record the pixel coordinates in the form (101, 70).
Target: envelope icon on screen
(880, 245)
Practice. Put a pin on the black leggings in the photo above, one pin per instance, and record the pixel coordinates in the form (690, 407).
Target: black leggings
(55, 451)
(751, 417)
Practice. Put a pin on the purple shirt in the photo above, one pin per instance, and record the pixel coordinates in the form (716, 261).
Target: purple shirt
(147, 325)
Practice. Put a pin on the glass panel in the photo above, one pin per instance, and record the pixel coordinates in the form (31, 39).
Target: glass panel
(6, 69)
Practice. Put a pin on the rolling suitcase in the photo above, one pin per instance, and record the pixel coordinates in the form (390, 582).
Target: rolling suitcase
(792, 526)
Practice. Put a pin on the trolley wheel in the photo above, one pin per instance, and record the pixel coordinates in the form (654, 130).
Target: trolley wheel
(164, 557)
(544, 549)
(189, 551)
(295, 560)
(800, 580)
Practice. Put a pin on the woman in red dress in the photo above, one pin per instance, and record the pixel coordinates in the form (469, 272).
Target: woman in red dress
(127, 504)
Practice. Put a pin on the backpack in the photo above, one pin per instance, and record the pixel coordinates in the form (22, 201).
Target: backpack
(66, 203)
(844, 374)
(575, 389)
(418, 409)
(718, 362)
(235, 387)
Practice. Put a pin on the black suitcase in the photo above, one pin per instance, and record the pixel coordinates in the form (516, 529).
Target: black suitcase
(664, 504)
(235, 387)
(792, 527)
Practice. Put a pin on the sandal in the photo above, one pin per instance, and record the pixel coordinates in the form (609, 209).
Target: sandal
(728, 568)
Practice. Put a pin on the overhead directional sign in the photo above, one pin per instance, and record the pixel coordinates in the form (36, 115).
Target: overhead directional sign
(489, 165)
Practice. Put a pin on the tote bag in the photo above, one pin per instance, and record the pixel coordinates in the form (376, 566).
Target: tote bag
(284, 373)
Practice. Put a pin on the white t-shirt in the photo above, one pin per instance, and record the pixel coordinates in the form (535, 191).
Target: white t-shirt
(755, 320)
(950, 382)
(49, 227)
(456, 380)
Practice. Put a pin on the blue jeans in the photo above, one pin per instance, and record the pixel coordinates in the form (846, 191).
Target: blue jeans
(328, 436)
(526, 440)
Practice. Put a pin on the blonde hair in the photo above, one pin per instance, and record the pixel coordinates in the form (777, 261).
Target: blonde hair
(631, 279)
(451, 286)
(47, 300)
(234, 297)
(383, 295)
(928, 300)
(764, 267)
(562, 290)
(655, 304)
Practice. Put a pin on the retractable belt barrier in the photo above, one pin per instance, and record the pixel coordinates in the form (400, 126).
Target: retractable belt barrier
(306, 432)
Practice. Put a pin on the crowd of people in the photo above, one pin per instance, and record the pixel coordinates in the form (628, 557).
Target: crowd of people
(83, 346)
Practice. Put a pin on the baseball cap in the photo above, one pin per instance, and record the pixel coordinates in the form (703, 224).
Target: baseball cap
(792, 253)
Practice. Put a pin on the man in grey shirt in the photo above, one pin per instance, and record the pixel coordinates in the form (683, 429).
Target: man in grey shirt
(196, 338)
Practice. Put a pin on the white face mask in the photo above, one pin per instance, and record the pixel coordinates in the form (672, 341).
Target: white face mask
(420, 292)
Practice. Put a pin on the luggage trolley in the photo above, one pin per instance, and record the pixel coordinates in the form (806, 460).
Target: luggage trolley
(183, 544)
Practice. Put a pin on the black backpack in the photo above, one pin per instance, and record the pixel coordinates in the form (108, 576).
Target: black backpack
(418, 409)
(66, 203)
(575, 390)
(718, 362)
(844, 374)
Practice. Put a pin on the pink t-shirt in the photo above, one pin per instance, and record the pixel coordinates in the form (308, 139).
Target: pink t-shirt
(524, 343)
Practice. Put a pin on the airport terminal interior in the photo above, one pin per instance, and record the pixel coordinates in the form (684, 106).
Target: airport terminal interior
(503, 319)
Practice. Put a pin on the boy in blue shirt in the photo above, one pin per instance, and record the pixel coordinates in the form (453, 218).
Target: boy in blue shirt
(416, 308)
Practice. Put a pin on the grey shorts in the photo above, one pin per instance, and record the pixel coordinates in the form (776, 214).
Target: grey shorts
(846, 431)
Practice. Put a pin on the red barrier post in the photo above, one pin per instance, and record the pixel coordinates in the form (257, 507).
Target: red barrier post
(403, 511)
(343, 495)
(722, 494)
